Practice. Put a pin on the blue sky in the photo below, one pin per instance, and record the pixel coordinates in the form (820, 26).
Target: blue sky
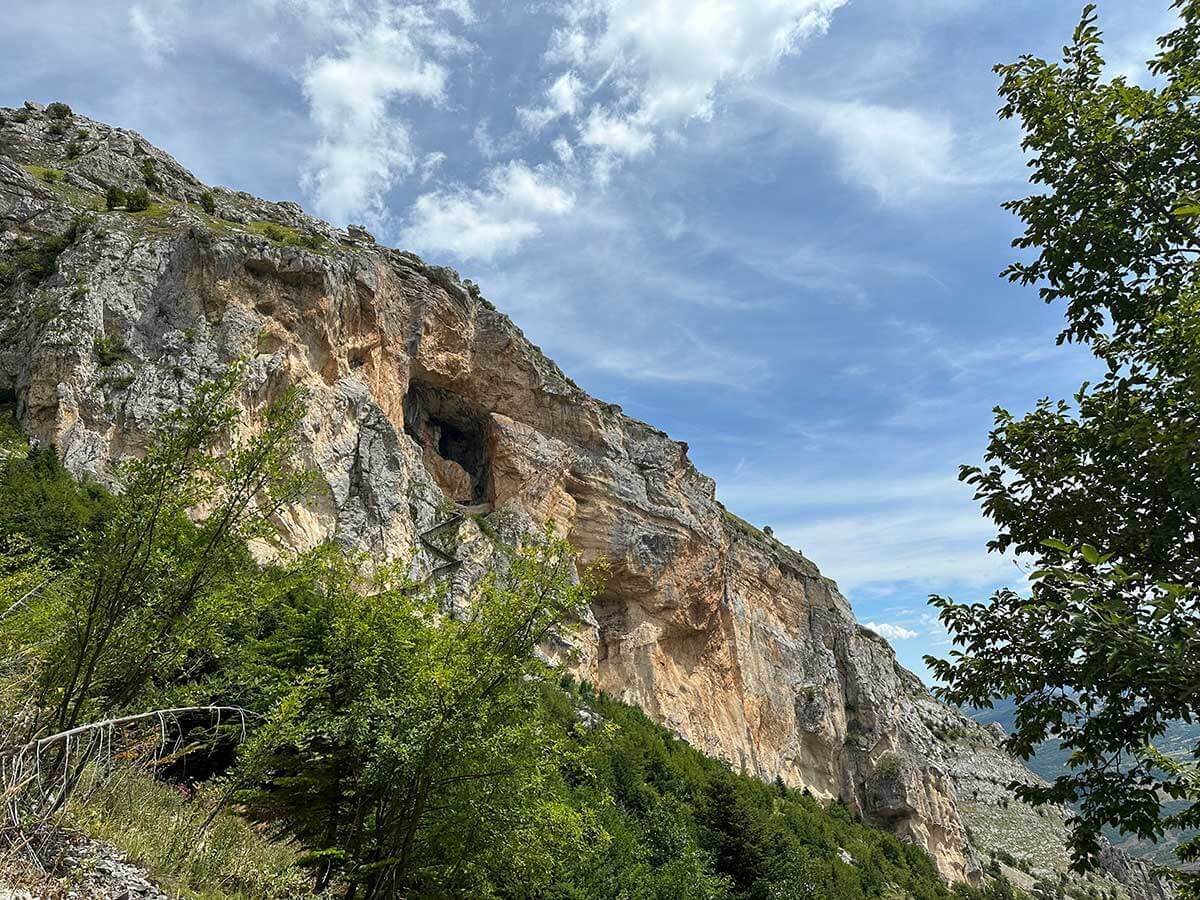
(771, 227)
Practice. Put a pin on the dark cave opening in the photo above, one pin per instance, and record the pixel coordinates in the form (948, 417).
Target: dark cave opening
(453, 435)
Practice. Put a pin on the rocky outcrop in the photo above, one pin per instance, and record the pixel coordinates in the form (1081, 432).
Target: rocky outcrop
(422, 396)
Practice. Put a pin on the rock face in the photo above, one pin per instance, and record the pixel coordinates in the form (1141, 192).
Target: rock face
(421, 396)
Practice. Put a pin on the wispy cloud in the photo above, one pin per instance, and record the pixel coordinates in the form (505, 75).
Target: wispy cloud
(154, 42)
(890, 631)
(481, 223)
(900, 153)
(624, 77)
(364, 147)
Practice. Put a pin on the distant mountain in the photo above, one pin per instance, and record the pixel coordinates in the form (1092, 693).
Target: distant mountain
(1050, 761)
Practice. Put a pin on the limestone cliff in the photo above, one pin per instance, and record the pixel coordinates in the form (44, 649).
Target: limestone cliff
(423, 400)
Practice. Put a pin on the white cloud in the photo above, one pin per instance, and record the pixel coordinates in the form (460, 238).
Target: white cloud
(899, 153)
(891, 632)
(615, 135)
(460, 8)
(563, 150)
(482, 140)
(621, 136)
(364, 148)
(430, 164)
(894, 152)
(935, 546)
(155, 45)
(563, 98)
(669, 56)
(481, 223)
(659, 64)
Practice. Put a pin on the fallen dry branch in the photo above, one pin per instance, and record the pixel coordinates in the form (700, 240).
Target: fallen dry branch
(37, 777)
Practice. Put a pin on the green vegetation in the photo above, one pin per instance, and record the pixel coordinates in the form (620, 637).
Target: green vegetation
(289, 237)
(208, 203)
(138, 200)
(32, 261)
(150, 174)
(115, 198)
(49, 176)
(157, 825)
(387, 748)
(1102, 491)
(22, 115)
(110, 350)
(57, 110)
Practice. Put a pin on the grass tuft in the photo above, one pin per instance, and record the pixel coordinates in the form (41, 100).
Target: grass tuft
(160, 829)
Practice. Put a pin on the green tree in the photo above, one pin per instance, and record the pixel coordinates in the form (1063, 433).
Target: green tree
(1102, 655)
(135, 578)
(137, 200)
(408, 753)
(115, 197)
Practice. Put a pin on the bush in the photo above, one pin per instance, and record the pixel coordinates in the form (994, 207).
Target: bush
(57, 128)
(208, 203)
(58, 110)
(110, 350)
(137, 200)
(41, 502)
(115, 198)
(74, 149)
(22, 114)
(150, 174)
(34, 261)
(289, 237)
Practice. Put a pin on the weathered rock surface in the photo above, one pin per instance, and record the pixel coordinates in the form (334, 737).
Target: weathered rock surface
(421, 394)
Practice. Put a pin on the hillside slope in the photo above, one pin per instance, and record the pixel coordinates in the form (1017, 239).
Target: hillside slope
(430, 408)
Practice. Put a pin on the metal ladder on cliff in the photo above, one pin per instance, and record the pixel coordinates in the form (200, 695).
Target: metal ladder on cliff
(449, 563)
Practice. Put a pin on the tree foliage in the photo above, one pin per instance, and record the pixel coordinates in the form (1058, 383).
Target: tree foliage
(1102, 492)
(134, 590)
(405, 751)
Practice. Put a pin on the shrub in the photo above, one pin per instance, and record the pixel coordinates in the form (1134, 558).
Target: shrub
(57, 128)
(57, 110)
(110, 350)
(74, 149)
(150, 174)
(115, 198)
(51, 176)
(34, 261)
(208, 203)
(22, 114)
(289, 237)
(137, 200)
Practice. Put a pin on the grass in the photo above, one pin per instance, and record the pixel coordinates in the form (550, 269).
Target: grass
(46, 175)
(158, 209)
(55, 179)
(282, 234)
(158, 828)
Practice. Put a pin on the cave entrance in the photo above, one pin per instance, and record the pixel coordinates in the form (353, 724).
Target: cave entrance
(453, 438)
